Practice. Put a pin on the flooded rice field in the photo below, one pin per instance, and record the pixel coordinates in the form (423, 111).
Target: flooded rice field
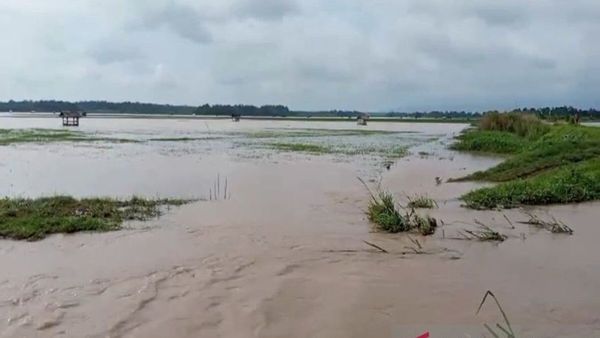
(283, 253)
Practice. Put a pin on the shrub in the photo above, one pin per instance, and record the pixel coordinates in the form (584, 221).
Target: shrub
(524, 125)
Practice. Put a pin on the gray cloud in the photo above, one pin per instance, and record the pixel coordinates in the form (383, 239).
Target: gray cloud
(309, 54)
(182, 19)
(107, 52)
(265, 9)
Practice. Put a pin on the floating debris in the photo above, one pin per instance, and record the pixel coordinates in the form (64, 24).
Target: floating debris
(554, 226)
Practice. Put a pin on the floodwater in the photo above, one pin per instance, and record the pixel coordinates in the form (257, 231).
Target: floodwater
(284, 255)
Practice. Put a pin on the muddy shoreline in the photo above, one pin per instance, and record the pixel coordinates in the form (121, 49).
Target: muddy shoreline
(285, 257)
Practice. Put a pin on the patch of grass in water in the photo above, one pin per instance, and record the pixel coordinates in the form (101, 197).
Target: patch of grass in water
(348, 150)
(300, 147)
(34, 219)
(184, 139)
(382, 211)
(16, 136)
(422, 202)
(276, 133)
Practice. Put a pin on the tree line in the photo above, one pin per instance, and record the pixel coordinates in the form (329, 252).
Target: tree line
(242, 110)
(550, 113)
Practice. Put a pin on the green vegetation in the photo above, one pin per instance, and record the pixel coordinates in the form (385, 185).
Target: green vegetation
(10, 136)
(14, 136)
(280, 112)
(277, 133)
(528, 126)
(555, 226)
(383, 212)
(300, 147)
(502, 134)
(183, 139)
(549, 163)
(505, 329)
(421, 202)
(484, 234)
(496, 142)
(562, 145)
(34, 219)
(571, 184)
(349, 150)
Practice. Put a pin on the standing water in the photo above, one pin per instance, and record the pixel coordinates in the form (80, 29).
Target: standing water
(284, 254)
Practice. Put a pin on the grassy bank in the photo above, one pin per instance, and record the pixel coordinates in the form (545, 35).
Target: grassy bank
(547, 163)
(34, 219)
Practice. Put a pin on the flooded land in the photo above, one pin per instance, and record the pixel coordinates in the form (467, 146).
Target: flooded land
(273, 239)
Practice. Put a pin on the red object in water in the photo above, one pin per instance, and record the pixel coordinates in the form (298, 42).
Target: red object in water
(424, 335)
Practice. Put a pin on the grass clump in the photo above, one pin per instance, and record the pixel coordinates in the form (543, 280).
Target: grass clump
(383, 212)
(421, 202)
(34, 219)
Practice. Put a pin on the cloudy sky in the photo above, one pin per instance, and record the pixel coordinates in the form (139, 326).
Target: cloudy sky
(309, 54)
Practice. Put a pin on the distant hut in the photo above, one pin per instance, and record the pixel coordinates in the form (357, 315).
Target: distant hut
(362, 119)
(71, 118)
(236, 117)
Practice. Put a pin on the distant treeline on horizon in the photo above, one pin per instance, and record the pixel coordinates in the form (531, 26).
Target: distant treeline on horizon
(104, 107)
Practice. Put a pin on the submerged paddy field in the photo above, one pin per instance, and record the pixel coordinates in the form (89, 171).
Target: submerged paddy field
(279, 231)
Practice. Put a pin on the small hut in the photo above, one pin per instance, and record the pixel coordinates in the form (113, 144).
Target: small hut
(236, 117)
(70, 118)
(362, 119)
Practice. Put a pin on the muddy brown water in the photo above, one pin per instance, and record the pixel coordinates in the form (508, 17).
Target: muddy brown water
(284, 256)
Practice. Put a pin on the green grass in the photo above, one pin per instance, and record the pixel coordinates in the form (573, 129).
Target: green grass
(16, 136)
(184, 139)
(383, 212)
(34, 219)
(523, 125)
(348, 150)
(10, 136)
(571, 184)
(300, 147)
(548, 164)
(421, 202)
(496, 142)
(562, 145)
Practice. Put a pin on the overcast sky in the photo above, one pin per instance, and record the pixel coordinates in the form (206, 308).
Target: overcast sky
(373, 55)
